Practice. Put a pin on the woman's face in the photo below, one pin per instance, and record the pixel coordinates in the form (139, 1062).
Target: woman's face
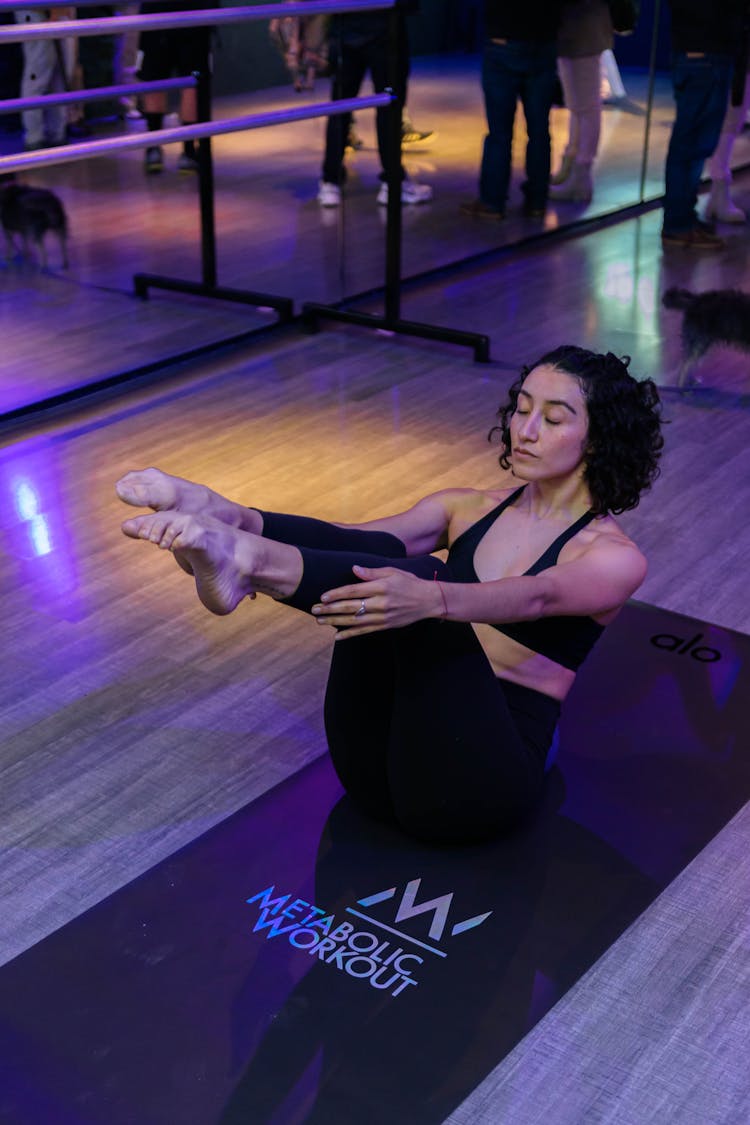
(549, 427)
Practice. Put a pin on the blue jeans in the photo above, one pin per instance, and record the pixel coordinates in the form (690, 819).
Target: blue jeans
(701, 92)
(511, 71)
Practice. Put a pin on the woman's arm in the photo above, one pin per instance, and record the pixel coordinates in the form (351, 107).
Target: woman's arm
(598, 582)
(423, 528)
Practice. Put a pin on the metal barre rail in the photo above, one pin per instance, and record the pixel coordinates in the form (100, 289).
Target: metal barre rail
(67, 154)
(391, 320)
(215, 17)
(98, 93)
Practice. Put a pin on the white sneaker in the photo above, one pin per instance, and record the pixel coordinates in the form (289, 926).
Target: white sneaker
(329, 195)
(411, 192)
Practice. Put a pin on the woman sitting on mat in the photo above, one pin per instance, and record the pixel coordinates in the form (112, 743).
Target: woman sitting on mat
(446, 681)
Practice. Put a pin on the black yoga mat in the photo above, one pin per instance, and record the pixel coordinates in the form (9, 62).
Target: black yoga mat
(299, 963)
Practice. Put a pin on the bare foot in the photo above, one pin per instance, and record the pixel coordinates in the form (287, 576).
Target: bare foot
(218, 557)
(151, 488)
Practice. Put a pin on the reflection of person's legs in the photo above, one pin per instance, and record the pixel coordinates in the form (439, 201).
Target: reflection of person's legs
(70, 57)
(56, 116)
(537, 92)
(124, 63)
(701, 88)
(501, 84)
(580, 83)
(720, 205)
(193, 57)
(39, 67)
(349, 65)
(379, 69)
(566, 70)
(156, 64)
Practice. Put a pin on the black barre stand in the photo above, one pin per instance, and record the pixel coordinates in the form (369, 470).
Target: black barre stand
(142, 282)
(390, 320)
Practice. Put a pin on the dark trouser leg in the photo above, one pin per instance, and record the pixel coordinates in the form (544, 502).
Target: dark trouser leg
(536, 96)
(701, 90)
(378, 55)
(501, 84)
(349, 69)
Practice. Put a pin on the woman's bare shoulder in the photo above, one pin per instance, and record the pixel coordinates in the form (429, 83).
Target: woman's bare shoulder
(474, 502)
(605, 535)
(610, 531)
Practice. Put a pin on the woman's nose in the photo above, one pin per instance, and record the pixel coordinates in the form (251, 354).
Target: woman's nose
(529, 428)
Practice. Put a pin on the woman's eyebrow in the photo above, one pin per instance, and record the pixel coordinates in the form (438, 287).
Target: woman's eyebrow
(550, 401)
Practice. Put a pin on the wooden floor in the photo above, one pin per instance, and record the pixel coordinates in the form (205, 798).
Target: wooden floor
(133, 720)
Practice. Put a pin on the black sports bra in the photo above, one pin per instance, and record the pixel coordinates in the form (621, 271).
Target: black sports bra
(566, 640)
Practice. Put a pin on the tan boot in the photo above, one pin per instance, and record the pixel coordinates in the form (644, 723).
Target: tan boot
(562, 173)
(721, 206)
(578, 188)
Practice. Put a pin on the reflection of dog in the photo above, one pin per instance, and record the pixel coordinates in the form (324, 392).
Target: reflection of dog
(720, 316)
(30, 212)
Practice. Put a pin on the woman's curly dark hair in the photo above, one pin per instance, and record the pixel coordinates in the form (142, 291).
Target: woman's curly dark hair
(624, 435)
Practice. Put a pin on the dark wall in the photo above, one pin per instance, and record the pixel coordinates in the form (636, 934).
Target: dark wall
(245, 59)
(635, 50)
(11, 65)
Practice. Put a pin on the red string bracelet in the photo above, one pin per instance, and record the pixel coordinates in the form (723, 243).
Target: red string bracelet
(442, 595)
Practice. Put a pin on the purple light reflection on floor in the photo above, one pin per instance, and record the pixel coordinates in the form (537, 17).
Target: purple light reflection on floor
(34, 528)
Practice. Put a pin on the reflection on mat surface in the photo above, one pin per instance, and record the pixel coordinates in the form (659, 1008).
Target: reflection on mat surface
(300, 964)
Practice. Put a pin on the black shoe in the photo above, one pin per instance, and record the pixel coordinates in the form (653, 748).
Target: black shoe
(532, 208)
(187, 164)
(698, 237)
(479, 210)
(154, 160)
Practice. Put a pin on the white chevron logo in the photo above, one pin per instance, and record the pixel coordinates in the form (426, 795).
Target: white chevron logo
(438, 907)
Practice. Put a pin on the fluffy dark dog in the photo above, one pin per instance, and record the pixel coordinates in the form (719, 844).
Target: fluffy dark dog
(30, 212)
(719, 316)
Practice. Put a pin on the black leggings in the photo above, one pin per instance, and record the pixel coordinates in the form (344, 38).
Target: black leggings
(419, 728)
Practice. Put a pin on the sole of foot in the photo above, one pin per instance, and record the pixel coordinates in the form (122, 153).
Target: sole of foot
(203, 547)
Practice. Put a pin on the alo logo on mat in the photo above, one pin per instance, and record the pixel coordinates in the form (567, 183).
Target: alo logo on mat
(680, 647)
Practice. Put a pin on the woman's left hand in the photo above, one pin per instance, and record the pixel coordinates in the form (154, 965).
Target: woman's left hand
(386, 598)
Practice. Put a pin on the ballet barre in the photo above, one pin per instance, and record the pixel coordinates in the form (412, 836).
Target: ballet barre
(205, 128)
